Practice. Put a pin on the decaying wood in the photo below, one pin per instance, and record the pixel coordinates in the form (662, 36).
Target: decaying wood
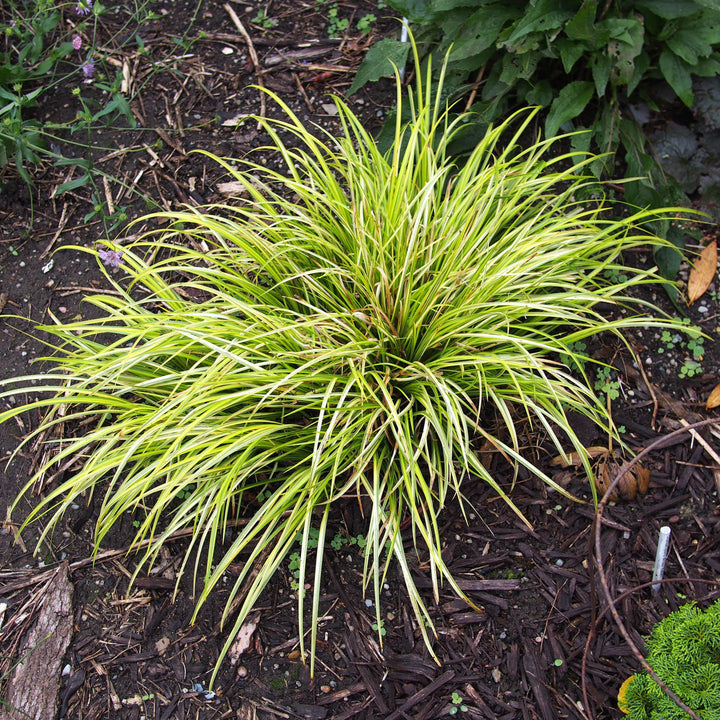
(35, 682)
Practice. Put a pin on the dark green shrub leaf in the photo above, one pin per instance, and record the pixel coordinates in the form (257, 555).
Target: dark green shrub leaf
(623, 53)
(642, 62)
(441, 6)
(668, 9)
(689, 44)
(478, 32)
(540, 19)
(569, 103)
(677, 74)
(582, 26)
(600, 68)
(517, 67)
(416, 11)
(708, 67)
(381, 61)
(570, 52)
(541, 94)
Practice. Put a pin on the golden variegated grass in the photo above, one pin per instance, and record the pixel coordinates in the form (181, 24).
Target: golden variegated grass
(366, 323)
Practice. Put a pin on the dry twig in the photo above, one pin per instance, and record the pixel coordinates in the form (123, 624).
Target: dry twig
(253, 54)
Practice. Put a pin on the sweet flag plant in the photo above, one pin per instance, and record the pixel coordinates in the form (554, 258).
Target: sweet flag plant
(358, 325)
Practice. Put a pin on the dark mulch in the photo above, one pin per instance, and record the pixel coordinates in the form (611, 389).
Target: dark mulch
(540, 642)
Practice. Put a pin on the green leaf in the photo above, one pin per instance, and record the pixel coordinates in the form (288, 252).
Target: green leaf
(689, 45)
(479, 31)
(600, 68)
(642, 63)
(541, 94)
(569, 103)
(442, 6)
(535, 23)
(708, 67)
(416, 11)
(72, 185)
(382, 60)
(582, 26)
(668, 9)
(677, 74)
(518, 67)
(626, 30)
(570, 52)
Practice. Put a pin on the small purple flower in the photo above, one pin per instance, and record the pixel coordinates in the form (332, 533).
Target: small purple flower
(77, 42)
(110, 258)
(88, 68)
(83, 7)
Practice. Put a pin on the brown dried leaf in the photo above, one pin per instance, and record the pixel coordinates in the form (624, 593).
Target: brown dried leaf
(702, 272)
(573, 459)
(713, 400)
(634, 481)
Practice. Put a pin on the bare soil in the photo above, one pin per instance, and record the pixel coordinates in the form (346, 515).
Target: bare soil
(541, 642)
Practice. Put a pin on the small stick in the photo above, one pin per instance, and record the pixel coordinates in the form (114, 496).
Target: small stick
(61, 227)
(300, 87)
(253, 54)
(703, 442)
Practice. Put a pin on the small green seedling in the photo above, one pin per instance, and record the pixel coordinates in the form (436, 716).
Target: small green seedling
(336, 24)
(457, 704)
(365, 23)
(607, 383)
(261, 18)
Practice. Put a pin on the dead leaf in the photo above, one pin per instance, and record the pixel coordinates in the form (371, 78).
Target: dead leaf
(162, 645)
(713, 400)
(634, 481)
(243, 638)
(702, 272)
(573, 459)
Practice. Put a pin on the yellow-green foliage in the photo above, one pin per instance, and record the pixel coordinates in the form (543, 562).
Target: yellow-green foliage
(364, 322)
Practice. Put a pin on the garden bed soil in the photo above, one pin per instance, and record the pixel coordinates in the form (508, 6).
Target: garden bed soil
(540, 642)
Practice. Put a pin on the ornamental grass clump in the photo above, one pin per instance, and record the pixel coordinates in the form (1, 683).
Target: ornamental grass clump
(358, 326)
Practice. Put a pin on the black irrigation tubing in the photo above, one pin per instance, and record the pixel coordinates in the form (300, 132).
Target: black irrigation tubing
(603, 578)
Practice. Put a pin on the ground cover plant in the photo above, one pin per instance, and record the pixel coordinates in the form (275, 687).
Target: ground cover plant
(684, 651)
(359, 325)
(602, 67)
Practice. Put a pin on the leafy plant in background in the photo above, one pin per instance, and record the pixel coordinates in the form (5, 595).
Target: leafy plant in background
(684, 651)
(360, 339)
(47, 44)
(595, 65)
(26, 59)
(38, 54)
